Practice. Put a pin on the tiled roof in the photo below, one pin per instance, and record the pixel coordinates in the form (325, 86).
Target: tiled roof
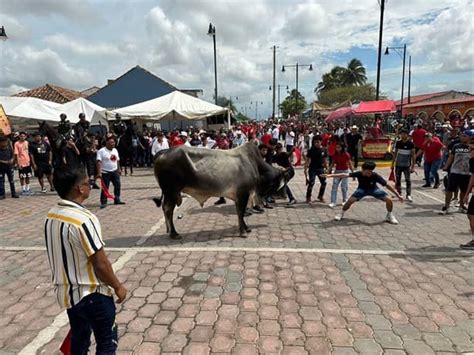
(90, 91)
(417, 98)
(52, 93)
(442, 102)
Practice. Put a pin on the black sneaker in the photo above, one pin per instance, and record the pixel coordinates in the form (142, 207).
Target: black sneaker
(267, 206)
(15, 195)
(436, 185)
(119, 203)
(426, 185)
(468, 246)
(257, 209)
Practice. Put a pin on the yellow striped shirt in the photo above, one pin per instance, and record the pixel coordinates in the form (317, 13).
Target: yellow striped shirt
(72, 235)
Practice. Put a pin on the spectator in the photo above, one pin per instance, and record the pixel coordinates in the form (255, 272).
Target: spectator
(42, 161)
(70, 155)
(108, 169)
(6, 167)
(22, 160)
(160, 143)
(82, 275)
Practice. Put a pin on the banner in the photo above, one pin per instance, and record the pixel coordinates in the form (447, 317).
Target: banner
(5, 127)
(376, 148)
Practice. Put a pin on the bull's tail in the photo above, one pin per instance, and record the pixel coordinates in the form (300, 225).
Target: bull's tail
(158, 201)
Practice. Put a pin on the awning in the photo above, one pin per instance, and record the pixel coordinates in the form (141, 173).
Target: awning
(382, 106)
(339, 113)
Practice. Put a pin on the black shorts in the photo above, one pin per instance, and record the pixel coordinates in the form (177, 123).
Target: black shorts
(43, 169)
(470, 207)
(25, 172)
(456, 181)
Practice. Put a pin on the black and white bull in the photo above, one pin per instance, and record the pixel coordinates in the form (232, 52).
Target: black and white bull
(203, 173)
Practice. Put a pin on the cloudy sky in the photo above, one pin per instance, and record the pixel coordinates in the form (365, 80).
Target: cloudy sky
(81, 43)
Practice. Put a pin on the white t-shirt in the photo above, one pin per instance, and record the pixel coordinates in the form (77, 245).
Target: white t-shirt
(157, 146)
(109, 159)
(289, 140)
(276, 133)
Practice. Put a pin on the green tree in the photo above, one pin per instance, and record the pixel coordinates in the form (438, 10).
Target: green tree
(294, 103)
(354, 74)
(353, 93)
(223, 101)
(331, 80)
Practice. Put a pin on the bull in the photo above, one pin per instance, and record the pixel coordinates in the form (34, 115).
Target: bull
(202, 173)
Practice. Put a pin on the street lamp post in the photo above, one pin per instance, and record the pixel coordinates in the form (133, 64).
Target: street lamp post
(279, 86)
(274, 48)
(256, 108)
(212, 32)
(297, 65)
(398, 49)
(409, 79)
(379, 53)
(3, 34)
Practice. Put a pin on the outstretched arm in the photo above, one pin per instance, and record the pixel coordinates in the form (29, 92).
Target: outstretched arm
(394, 191)
(340, 175)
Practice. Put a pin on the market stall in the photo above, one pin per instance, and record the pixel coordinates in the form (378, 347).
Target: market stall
(376, 144)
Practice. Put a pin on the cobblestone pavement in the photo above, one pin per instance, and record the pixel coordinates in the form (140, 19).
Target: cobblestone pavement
(301, 283)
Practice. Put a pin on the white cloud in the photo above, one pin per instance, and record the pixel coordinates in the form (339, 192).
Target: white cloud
(28, 67)
(62, 41)
(169, 38)
(448, 40)
(72, 9)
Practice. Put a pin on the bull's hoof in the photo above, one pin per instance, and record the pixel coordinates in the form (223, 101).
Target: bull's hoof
(176, 236)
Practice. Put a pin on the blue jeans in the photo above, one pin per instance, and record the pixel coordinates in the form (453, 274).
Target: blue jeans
(379, 194)
(11, 179)
(95, 312)
(431, 171)
(344, 182)
(113, 177)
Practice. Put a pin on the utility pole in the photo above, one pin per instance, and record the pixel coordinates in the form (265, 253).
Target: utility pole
(212, 32)
(403, 78)
(379, 56)
(274, 81)
(409, 79)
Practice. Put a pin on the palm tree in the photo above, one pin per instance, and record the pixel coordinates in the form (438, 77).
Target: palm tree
(354, 74)
(331, 80)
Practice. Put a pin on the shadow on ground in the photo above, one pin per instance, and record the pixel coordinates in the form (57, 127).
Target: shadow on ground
(432, 253)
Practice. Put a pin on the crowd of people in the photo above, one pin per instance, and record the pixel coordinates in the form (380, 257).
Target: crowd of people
(325, 150)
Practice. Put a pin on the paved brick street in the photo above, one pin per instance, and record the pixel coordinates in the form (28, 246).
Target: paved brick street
(301, 283)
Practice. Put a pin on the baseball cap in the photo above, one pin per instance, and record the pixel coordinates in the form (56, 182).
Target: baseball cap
(184, 134)
(468, 132)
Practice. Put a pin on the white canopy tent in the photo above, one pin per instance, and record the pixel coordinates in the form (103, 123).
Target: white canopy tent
(28, 111)
(95, 114)
(174, 106)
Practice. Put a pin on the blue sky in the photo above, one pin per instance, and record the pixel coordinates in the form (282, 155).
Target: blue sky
(78, 44)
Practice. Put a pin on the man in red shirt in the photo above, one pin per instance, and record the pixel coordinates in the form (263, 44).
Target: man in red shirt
(418, 137)
(266, 138)
(432, 148)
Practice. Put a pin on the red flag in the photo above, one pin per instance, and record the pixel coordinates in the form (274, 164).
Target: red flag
(297, 157)
(392, 176)
(106, 191)
(66, 345)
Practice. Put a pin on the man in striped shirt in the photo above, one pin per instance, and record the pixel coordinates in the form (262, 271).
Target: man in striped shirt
(82, 275)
